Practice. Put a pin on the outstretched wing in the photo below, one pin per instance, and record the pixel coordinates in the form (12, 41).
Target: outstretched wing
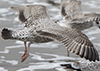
(92, 17)
(21, 16)
(71, 9)
(30, 14)
(74, 41)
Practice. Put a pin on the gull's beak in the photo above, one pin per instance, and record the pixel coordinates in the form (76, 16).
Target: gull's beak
(99, 27)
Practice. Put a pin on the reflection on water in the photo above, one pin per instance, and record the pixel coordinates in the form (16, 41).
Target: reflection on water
(43, 57)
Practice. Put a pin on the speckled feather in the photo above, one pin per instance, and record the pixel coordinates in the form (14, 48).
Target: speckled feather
(40, 26)
(83, 65)
(72, 12)
(29, 15)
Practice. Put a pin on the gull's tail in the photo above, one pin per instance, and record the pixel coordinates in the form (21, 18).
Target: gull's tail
(6, 34)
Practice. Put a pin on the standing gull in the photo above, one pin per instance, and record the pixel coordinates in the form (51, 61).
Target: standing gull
(39, 28)
(83, 65)
(74, 18)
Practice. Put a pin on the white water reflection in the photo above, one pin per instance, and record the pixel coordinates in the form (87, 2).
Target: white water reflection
(38, 56)
(96, 31)
(13, 62)
(3, 10)
(43, 65)
(3, 69)
(5, 51)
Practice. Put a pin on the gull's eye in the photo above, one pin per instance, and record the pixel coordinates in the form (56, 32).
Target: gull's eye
(97, 22)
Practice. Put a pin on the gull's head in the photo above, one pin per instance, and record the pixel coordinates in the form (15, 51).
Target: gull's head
(98, 24)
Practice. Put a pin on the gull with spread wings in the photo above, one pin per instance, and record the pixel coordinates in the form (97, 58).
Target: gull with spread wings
(74, 18)
(39, 28)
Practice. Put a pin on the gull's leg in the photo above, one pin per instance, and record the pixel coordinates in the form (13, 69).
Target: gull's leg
(67, 53)
(25, 50)
(27, 53)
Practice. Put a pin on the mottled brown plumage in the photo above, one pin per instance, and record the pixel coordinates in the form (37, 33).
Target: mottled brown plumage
(74, 18)
(39, 26)
(71, 11)
(83, 65)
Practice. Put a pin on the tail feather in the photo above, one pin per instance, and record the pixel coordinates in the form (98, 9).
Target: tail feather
(6, 34)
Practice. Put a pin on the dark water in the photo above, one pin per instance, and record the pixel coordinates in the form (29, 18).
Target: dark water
(43, 57)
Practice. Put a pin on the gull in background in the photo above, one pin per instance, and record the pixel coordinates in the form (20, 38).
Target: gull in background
(83, 65)
(39, 28)
(74, 18)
